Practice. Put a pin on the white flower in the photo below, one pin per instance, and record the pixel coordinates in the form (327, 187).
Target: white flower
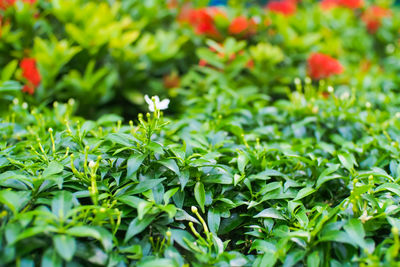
(364, 217)
(92, 164)
(161, 105)
(345, 95)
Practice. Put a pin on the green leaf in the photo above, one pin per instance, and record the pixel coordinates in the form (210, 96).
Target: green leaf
(84, 231)
(156, 262)
(98, 233)
(109, 119)
(137, 226)
(134, 163)
(304, 192)
(313, 259)
(130, 200)
(145, 185)
(213, 220)
(394, 188)
(336, 236)
(121, 139)
(325, 175)
(51, 259)
(170, 164)
(170, 209)
(242, 161)
(9, 86)
(170, 193)
(179, 236)
(8, 71)
(270, 213)
(65, 246)
(61, 204)
(355, 230)
(54, 168)
(143, 208)
(184, 178)
(348, 161)
(200, 195)
(14, 200)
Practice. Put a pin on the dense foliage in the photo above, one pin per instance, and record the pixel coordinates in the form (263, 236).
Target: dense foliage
(280, 144)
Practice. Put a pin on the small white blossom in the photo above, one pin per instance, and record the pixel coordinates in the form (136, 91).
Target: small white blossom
(364, 217)
(161, 105)
(398, 115)
(368, 105)
(345, 95)
(24, 105)
(390, 48)
(15, 101)
(92, 164)
(330, 89)
(256, 19)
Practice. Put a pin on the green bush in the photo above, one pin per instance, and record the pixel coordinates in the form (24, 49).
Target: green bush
(276, 147)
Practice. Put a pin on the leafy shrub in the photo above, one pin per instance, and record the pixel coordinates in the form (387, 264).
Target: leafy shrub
(255, 163)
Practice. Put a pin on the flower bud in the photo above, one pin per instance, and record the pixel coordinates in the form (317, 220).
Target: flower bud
(194, 209)
(92, 164)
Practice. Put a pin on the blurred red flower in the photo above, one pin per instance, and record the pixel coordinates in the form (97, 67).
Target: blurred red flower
(31, 74)
(203, 63)
(250, 64)
(238, 25)
(171, 80)
(202, 19)
(285, 7)
(321, 66)
(352, 4)
(4, 4)
(241, 25)
(373, 16)
(171, 4)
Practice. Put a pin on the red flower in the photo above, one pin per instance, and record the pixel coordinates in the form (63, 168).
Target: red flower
(201, 19)
(328, 4)
(31, 74)
(203, 63)
(4, 4)
(241, 25)
(171, 80)
(321, 66)
(250, 64)
(373, 16)
(30, 89)
(172, 4)
(238, 25)
(285, 7)
(352, 4)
